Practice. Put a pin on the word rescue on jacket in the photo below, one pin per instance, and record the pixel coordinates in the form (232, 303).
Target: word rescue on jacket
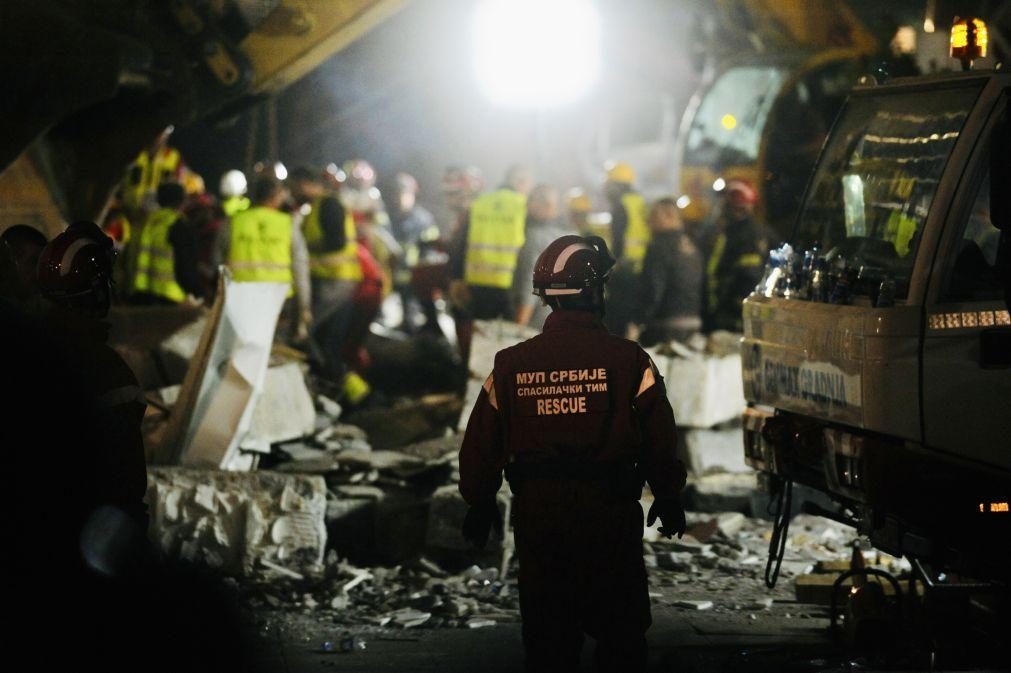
(561, 391)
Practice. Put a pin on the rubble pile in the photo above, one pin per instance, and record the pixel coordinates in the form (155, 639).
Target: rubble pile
(357, 517)
(717, 566)
(416, 594)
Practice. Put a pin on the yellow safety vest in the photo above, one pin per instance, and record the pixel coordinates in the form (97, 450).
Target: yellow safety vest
(155, 259)
(144, 176)
(899, 231)
(496, 234)
(261, 247)
(637, 234)
(340, 264)
(235, 204)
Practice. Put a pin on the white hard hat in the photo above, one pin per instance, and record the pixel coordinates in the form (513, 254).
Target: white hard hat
(233, 183)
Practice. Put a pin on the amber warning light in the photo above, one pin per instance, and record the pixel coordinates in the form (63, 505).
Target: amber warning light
(968, 41)
(994, 507)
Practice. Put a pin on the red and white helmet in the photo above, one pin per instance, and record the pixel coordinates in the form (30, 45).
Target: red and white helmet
(740, 192)
(75, 268)
(571, 265)
(360, 174)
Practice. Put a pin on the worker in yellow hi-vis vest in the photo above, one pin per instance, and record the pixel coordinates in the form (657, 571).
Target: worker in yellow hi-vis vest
(334, 271)
(629, 236)
(258, 244)
(166, 251)
(736, 250)
(153, 166)
(486, 254)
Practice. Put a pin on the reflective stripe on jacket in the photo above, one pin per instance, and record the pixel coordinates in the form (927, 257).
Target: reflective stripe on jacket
(340, 264)
(261, 246)
(496, 234)
(637, 235)
(155, 258)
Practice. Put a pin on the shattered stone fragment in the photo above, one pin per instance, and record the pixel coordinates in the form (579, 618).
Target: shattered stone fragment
(694, 605)
(480, 623)
(409, 617)
(239, 522)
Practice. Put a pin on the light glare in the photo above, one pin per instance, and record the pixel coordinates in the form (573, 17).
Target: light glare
(683, 201)
(536, 53)
(719, 184)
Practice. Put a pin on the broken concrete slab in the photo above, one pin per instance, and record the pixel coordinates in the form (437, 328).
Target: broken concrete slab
(722, 492)
(709, 449)
(239, 523)
(704, 389)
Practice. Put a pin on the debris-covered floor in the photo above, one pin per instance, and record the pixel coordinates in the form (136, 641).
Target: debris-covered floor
(338, 531)
(711, 609)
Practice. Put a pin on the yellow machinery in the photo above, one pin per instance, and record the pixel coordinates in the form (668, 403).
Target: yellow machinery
(762, 114)
(109, 77)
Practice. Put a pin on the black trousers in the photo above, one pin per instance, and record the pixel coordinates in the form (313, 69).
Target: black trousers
(581, 572)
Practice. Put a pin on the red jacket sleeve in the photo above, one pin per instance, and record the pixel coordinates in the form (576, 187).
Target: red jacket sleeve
(482, 456)
(665, 474)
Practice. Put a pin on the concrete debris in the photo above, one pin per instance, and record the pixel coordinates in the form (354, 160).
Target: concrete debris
(711, 449)
(722, 492)
(331, 408)
(408, 421)
(240, 523)
(284, 410)
(704, 386)
(480, 623)
(408, 617)
(694, 605)
(419, 594)
(224, 379)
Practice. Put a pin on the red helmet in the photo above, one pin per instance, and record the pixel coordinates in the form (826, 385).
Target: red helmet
(572, 264)
(76, 268)
(740, 192)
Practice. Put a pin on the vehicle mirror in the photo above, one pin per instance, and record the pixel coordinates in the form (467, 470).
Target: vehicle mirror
(1000, 174)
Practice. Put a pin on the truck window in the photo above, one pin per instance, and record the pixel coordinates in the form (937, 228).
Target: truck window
(727, 129)
(873, 189)
(973, 275)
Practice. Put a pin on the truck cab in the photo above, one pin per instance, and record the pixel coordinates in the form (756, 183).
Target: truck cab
(877, 353)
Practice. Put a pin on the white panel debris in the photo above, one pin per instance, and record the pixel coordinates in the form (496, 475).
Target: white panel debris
(240, 523)
(284, 410)
(215, 406)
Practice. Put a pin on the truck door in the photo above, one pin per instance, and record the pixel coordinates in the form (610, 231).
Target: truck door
(966, 379)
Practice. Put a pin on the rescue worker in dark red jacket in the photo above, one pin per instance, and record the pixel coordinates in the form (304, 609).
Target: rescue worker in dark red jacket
(577, 419)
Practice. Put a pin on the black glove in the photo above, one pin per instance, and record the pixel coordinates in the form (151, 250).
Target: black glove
(672, 517)
(478, 522)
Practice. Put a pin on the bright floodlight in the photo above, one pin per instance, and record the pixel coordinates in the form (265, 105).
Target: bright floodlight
(536, 53)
